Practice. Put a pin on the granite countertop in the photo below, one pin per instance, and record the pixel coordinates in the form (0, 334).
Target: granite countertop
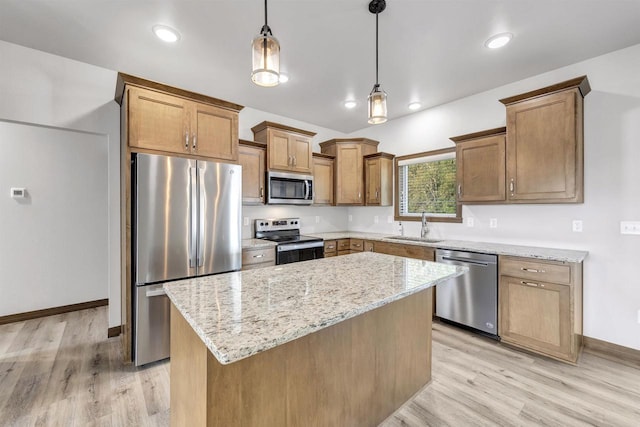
(550, 254)
(243, 313)
(257, 243)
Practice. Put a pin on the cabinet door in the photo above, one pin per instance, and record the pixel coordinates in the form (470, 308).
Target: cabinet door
(158, 121)
(300, 150)
(349, 181)
(542, 148)
(278, 150)
(368, 246)
(535, 315)
(372, 181)
(214, 132)
(481, 169)
(252, 160)
(322, 181)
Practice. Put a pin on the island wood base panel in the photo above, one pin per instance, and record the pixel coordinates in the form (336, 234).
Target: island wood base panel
(355, 373)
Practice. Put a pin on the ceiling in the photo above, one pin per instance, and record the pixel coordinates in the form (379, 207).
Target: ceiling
(431, 51)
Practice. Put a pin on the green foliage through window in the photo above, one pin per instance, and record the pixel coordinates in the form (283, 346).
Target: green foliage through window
(428, 186)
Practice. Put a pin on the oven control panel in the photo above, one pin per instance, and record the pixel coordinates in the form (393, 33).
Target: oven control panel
(277, 224)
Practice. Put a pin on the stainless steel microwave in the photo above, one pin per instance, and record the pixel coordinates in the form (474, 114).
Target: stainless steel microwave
(285, 188)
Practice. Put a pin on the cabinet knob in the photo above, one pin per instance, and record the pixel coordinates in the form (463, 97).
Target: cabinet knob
(459, 190)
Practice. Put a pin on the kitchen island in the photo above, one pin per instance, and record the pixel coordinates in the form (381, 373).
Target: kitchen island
(336, 341)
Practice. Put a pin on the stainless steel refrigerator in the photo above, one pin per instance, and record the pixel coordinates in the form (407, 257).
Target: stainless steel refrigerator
(186, 223)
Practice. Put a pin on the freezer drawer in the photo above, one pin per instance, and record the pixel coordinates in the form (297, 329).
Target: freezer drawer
(152, 324)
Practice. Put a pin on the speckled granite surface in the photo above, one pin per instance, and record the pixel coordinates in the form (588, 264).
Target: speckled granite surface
(243, 313)
(551, 254)
(257, 243)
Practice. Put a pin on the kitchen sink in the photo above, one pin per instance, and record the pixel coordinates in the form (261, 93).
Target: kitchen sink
(415, 239)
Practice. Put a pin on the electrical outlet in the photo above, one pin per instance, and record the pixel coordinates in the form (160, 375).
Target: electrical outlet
(470, 222)
(350, 218)
(493, 223)
(246, 221)
(577, 226)
(389, 219)
(376, 219)
(629, 227)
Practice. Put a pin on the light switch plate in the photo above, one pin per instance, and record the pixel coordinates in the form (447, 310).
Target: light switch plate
(629, 227)
(577, 226)
(493, 223)
(350, 218)
(376, 219)
(470, 222)
(246, 221)
(317, 219)
(389, 219)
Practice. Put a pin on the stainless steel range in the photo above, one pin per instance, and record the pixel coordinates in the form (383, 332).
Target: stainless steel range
(292, 247)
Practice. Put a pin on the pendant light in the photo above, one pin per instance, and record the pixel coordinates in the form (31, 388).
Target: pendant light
(266, 56)
(377, 98)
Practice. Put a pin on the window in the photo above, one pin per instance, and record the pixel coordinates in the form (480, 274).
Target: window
(426, 182)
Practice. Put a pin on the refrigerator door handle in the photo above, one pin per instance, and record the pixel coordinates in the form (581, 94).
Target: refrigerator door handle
(193, 238)
(201, 206)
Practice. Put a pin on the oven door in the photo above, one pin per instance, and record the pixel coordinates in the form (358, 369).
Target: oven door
(294, 252)
(289, 188)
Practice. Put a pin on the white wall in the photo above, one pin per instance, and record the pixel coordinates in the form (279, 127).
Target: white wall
(612, 174)
(54, 248)
(46, 89)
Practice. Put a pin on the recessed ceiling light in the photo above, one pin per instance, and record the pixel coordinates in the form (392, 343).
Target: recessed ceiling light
(415, 105)
(350, 103)
(166, 34)
(283, 78)
(498, 41)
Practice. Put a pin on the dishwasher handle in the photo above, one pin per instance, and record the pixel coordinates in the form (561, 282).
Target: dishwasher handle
(465, 261)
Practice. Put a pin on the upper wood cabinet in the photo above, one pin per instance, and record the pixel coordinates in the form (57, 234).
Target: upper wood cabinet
(164, 119)
(349, 177)
(288, 149)
(323, 175)
(252, 157)
(378, 179)
(544, 144)
(480, 164)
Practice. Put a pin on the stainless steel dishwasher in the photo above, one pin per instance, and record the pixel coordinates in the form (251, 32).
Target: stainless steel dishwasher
(471, 299)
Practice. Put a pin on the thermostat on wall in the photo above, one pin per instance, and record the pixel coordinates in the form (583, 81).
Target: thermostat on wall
(18, 193)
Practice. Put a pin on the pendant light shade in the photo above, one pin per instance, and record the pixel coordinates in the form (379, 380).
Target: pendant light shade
(377, 98)
(377, 106)
(265, 51)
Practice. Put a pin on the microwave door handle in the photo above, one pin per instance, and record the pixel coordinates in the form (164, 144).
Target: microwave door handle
(193, 215)
(201, 225)
(306, 189)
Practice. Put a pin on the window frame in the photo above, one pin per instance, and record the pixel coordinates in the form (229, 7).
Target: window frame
(396, 196)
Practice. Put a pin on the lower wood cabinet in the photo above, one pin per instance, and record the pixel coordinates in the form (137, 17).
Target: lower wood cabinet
(540, 306)
(409, 251)
(258, 257)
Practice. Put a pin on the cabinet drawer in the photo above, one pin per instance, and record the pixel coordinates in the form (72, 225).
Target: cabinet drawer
(330, 254)
(344, 244)
(345, 252)
(330, 247)
(356, 245)
(258, 256)
(547, 271)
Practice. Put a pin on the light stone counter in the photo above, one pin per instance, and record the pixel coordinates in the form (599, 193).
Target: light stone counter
(243, 313)
(551, 254)
(257, 243)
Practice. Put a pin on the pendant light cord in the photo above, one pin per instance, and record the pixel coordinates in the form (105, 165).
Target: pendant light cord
(265, 29)
(376, 47)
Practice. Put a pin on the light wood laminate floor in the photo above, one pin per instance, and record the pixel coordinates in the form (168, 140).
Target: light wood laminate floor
(62, 371)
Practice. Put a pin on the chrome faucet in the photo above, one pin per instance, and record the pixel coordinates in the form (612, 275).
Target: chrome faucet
(425, 226)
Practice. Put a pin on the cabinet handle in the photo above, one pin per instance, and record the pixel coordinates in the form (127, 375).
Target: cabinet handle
(330, 247)
(186, 140)
(261, 191)
(512, 186)
(357, 245)
(532, 270)
(359, 195)
(194, 142)
(535, 285)
(295, 161)
(259, 256)
(371, 249)
(459, 190)
(290, 161)
(376, 194)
